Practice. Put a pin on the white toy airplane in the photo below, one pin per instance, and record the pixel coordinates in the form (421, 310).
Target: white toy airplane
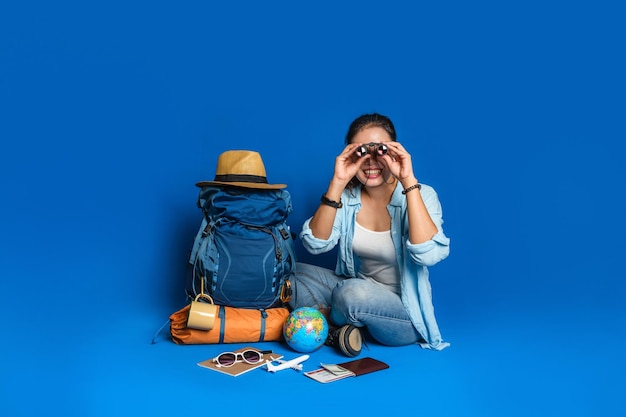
(294, 364)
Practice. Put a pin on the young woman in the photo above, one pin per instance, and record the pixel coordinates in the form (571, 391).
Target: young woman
(389, 230)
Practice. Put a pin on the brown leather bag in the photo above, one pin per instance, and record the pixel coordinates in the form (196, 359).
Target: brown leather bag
(232, 325)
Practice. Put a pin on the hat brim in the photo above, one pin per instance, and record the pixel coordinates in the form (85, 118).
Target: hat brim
(253, 185)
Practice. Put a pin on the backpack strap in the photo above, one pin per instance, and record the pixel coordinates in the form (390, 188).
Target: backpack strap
(203, 231)
(290, 249)
(154, 338)
(201, 242)
(286, 235)
(263, 317)
(222, 316)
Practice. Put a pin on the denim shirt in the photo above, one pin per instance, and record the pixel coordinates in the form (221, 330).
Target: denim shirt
(413, 259)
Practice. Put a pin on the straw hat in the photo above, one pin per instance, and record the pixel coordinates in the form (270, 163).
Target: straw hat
(241, 169)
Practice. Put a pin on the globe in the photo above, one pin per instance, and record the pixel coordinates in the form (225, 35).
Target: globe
(305, 329)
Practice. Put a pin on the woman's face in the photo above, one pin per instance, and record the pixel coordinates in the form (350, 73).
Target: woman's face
(373, 172)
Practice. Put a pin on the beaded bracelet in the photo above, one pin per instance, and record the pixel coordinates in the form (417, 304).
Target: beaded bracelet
(329, 202)
(411, 188)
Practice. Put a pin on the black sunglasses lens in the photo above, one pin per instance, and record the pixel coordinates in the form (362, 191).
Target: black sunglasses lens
(226, 359)
(251, 356)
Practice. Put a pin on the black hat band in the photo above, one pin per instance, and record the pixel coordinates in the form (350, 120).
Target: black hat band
(241, 178)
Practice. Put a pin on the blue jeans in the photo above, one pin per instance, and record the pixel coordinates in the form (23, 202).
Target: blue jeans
(360, 302)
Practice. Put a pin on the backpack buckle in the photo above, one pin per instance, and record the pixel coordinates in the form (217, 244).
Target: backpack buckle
(285, 234)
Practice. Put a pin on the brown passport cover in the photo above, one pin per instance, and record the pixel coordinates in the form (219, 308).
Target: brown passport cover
(364, 366)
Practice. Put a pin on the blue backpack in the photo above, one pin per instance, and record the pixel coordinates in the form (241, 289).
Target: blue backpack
(243, 253)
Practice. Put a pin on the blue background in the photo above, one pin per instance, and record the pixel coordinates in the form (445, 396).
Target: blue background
(112, 111)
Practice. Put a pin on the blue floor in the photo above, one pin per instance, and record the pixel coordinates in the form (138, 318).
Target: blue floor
(567, 365)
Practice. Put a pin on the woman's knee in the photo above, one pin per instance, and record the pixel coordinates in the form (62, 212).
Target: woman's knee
(351, 292)
(312, 286)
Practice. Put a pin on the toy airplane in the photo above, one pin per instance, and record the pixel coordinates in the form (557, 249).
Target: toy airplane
(294, 364)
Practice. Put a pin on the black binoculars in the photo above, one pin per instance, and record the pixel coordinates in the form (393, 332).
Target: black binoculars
(378, 148)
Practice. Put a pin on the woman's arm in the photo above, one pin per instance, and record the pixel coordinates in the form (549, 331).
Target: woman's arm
(321, 223)
(345, 168)
(421, 226)
(436, 249)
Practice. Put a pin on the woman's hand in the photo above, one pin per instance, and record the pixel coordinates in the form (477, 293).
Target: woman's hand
(398, 162)
(347, 164)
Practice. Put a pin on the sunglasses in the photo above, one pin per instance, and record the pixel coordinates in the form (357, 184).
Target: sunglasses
(375, 149)
(250, 356)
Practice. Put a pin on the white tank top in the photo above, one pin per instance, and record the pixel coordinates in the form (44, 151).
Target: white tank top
(378, 257)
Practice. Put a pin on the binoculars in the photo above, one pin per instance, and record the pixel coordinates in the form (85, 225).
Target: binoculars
(378, 149)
